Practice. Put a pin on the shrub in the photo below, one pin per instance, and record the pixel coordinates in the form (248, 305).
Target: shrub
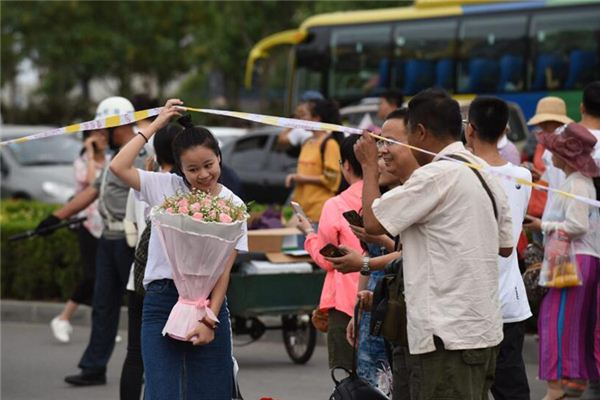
(39, 268)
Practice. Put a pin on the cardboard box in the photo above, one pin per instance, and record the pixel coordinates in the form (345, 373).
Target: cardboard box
(284, 258)
(269, 240)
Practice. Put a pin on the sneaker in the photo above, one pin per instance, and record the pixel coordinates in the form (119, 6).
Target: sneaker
(86, 379)
(61, 329)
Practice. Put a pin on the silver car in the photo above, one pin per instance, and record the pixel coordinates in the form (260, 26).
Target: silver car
(39, 169)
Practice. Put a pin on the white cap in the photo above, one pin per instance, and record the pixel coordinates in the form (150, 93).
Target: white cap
(115, 105)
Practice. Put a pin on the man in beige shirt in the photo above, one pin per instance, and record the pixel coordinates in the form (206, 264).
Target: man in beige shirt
(451, 238)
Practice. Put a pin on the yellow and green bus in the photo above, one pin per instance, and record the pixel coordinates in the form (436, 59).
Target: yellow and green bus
(517, 50)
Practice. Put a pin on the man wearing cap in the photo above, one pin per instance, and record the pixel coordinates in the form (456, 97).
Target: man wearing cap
(114, 257)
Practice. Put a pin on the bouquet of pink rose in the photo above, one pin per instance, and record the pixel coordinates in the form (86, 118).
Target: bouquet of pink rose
(198, 233)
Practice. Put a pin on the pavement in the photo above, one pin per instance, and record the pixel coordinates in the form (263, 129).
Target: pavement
(33, 364)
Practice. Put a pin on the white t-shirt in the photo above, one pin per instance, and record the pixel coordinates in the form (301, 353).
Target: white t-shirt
(154, 188)
(298, 136)
(513, 297)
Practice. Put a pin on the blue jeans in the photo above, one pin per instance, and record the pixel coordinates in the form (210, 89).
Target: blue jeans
(178, 370)
(372, 361)
(113, 262)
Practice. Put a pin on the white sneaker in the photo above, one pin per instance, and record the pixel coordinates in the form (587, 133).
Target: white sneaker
(61, 329)
(118, 339)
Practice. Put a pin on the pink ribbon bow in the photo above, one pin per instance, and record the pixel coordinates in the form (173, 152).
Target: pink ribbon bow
(201, 304)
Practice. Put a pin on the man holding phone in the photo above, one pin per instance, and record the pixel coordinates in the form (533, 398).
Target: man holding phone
(452, 228)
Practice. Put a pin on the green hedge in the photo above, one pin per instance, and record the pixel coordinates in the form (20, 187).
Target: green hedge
(39, 268)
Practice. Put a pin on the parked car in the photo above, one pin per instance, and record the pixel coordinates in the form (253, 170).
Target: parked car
(39, 169)
(261, 165)
(224, 134)
(353, 115)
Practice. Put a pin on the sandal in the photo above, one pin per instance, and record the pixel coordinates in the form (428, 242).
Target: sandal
(554, 394)
(573, 388)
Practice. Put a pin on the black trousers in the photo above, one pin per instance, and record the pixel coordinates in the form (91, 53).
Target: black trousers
(84, 291)
(133, 368)
(511, 378)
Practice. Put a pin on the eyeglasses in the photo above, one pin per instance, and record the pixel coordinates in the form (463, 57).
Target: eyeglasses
(384, 144)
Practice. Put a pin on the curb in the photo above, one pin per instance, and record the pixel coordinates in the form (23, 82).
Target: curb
(42, 312)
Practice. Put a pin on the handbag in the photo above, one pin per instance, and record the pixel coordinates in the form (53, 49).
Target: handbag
(320, 320)
(140, 259)
(534, 255)
(388, 314)
(354, 387)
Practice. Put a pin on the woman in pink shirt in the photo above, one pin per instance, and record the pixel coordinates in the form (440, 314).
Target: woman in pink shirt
(339, 290)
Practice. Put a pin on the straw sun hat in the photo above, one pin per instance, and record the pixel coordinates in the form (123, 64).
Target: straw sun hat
(550, 109)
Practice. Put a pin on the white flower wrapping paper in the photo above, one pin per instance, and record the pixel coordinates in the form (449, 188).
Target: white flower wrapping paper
(197, 252)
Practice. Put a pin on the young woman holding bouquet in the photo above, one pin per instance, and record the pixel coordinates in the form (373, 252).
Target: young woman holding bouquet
(198, 366)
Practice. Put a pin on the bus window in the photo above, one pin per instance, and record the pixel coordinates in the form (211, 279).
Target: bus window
(424, 55)
(492, 54)
(566, 48)
(358, 61)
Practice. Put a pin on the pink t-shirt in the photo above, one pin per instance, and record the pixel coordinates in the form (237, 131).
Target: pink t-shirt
(339, 290)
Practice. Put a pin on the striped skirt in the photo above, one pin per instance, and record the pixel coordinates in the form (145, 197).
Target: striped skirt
(569, 327)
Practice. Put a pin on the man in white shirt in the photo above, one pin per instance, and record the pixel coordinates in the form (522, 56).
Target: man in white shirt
(452, 227)
(488, 117)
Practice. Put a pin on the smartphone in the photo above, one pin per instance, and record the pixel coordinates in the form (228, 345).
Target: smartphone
(298, 209)
(330, 250)
(353, 218)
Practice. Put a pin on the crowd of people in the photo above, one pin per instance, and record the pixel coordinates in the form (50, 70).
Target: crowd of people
(447, 233)
(456, 231)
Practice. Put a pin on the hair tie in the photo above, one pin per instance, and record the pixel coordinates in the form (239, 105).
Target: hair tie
(186, 121)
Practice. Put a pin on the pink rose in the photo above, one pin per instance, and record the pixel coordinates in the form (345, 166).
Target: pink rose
(205, 202)
(213, 214)
(221, 203)
(198, 216)
(184, 209)
(170, 210)
(195, 207)
(224, 218)
(572, 147)
(226, 209)
(183, 203)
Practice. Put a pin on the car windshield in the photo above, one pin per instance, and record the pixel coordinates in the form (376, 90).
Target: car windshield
(50, 151)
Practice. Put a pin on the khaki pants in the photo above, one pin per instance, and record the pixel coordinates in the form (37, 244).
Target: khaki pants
(451, 374)
(340, 351)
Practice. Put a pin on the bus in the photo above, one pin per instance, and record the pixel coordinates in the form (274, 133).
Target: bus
(520, 51)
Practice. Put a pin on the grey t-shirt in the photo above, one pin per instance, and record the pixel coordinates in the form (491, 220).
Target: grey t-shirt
(114, 197)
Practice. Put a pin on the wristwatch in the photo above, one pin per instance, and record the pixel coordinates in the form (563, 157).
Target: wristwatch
(365, 270)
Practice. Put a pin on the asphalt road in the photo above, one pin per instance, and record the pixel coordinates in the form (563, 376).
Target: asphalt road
(33, 366)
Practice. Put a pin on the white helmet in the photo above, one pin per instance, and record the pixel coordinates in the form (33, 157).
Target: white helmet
(115, 105)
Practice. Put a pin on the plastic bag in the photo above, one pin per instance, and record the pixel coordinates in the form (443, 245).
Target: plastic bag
(559, 268)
